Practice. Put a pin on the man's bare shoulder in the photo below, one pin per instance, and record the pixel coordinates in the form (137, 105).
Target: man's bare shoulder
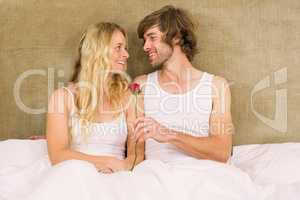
(220, 82)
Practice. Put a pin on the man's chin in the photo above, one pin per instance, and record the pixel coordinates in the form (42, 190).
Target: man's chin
(156, 64)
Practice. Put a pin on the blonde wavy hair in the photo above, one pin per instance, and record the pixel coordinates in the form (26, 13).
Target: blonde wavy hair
(93, 75)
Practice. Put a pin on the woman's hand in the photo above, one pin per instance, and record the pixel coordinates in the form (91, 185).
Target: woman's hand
(102, 166)
(106, 171)
(117, 165)
(110, 165)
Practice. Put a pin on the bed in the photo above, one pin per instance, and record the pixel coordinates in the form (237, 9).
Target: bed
(272, 167)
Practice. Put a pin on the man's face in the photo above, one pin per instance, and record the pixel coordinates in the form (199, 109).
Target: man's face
(157, 50)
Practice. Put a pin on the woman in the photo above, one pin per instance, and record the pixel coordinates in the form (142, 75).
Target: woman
(88, 125)
(87, 120)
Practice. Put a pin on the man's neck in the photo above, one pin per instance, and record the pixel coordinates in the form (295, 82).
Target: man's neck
(178, 67)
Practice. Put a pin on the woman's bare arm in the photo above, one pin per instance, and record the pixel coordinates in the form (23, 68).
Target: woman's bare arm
(58, 136)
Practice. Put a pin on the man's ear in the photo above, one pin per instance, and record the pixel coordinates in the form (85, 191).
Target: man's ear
(176, 40)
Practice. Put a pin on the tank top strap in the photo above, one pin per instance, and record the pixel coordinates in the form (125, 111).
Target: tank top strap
(72, 111)
(123, 114)
(151, 86)
(207, 77)
(152, 78)
(123, 119)
(205, 80)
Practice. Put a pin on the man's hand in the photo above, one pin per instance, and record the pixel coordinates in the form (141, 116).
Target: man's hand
(147, 127)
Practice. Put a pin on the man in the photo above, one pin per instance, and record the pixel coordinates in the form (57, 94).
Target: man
(186, 111)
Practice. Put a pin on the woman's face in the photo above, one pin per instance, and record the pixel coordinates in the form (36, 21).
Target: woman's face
(118, 54)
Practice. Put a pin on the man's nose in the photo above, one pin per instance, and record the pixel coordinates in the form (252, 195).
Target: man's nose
(146, 46)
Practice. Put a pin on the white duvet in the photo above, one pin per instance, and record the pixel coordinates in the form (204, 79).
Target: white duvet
(25, 173)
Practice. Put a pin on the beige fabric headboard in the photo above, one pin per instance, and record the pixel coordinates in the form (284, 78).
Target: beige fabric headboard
(254, 44)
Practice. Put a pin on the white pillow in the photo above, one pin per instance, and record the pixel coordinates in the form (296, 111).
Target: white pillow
(269, 163)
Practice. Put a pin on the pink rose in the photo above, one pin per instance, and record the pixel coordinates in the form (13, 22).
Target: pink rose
(135, 88)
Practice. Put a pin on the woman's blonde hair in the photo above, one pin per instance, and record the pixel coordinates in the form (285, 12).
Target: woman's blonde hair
(93, 75)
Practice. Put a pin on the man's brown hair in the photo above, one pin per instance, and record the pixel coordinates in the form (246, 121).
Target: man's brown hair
(172, 22)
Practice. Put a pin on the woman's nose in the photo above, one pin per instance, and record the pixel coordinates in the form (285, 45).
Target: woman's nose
(126, 54)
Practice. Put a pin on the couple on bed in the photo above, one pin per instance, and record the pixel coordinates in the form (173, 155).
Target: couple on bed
(160, 142)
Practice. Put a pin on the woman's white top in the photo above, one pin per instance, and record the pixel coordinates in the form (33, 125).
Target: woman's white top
(104, 138)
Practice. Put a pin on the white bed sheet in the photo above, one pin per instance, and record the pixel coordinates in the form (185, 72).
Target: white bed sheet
(270, 169)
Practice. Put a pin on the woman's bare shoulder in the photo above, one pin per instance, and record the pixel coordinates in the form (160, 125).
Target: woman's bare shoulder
(62, 97)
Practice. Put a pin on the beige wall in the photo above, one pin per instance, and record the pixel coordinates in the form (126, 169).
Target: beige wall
(242, 40)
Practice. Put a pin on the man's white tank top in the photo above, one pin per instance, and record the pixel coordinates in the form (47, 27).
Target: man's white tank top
(188, 113)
